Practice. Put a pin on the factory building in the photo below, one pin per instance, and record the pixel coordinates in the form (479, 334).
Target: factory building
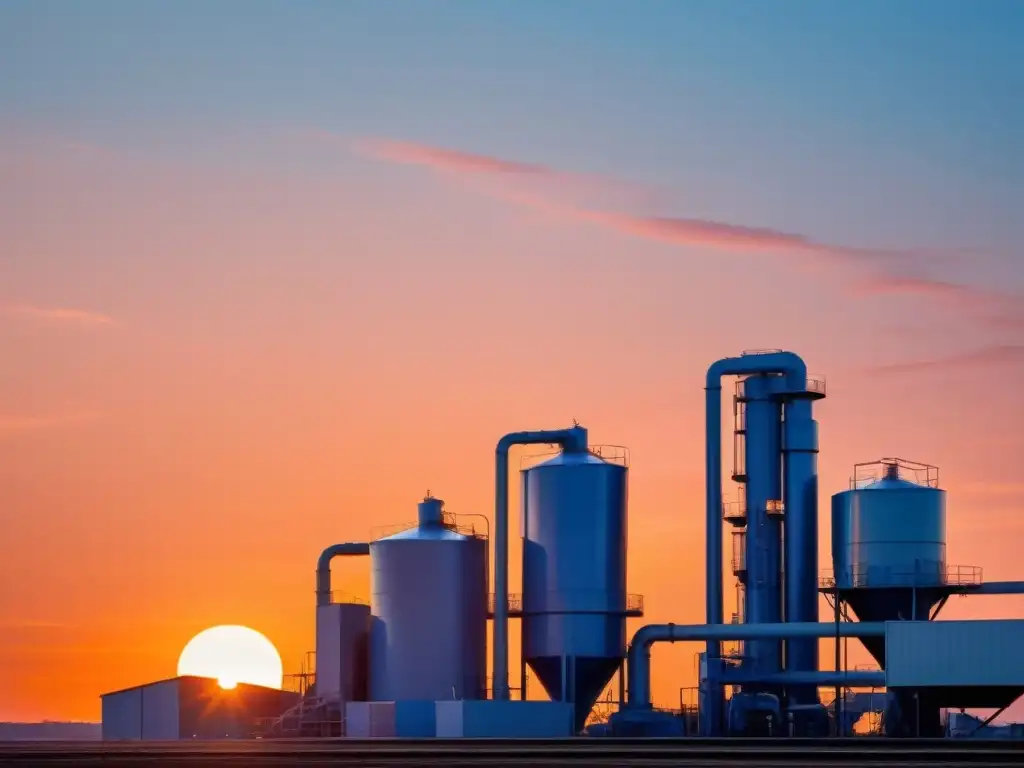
(412, 663)
(190, 708)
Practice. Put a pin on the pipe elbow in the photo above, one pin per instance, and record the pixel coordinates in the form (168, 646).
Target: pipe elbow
(716, 371)
(349, 549)
(323, 566)
(790, 364)
(572, 439)
(648, 635)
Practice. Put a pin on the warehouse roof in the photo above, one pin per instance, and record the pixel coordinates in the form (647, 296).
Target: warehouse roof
(249, 686)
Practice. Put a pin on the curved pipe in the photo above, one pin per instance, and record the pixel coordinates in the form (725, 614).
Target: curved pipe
(572, 440)
(323, 566)
(795, 371)
(639, 658)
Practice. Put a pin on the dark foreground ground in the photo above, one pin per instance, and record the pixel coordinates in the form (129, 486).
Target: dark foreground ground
(521, 752)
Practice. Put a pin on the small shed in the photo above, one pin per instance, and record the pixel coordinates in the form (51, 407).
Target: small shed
(191, 708)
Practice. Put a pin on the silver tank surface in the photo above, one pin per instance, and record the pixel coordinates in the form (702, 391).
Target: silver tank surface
(574, 580)
(889, 533)
(428, 628)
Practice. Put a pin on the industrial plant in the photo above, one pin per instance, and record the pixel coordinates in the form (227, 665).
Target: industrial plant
(413, 661)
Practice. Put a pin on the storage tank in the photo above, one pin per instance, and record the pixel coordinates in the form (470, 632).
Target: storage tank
(428, 612)
(889, 543)
(574, 575)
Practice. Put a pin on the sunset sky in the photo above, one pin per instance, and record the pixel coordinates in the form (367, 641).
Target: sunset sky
(269, 271)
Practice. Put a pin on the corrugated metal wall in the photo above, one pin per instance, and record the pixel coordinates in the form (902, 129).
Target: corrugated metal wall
(160, 711)
(954, 653)
(122, 715)
(190, 708)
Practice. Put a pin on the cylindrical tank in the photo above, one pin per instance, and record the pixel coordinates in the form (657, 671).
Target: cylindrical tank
(574, 574)
(889, 533)
(428, 628)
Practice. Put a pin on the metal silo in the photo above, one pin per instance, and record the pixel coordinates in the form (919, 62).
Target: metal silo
(429, 612)
(889, 543)
(574, 575)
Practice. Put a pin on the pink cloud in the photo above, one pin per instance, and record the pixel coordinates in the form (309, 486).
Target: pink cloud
(996, 355)
(18, 424)
(889, 265)
(448, 159)
(531, 184)
(679, 231)
(59, 315)
(999, 310)
(720, 235)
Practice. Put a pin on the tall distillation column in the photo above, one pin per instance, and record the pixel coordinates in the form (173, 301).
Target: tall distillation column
(800, 494)
(760, 413)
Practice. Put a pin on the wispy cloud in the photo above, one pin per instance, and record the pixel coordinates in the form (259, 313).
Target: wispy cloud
(885, 271)
(993, 308)
(695, 232)
(58, 315)
(14, 424)
(449, 159)
(996, 355)
(529, 184)
(706, 233)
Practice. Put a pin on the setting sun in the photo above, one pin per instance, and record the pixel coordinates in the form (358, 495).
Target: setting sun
(232, 654)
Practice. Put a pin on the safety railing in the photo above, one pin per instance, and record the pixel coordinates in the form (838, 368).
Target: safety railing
(613, 454)
(338, 596)
(816, 385)
(880, 577)
(450, 520)
(870, 472)
(739, 456)
(739, 552)
(735, 512)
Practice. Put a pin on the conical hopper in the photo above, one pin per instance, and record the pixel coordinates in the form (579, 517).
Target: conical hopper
(891, 604)
(586, 678)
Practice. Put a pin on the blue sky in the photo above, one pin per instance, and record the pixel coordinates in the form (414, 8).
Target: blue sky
(864, 104)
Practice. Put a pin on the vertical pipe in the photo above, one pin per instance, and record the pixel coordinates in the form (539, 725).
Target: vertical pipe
(714, 602)
(837, 708)
(572, 439)
(764, 530)
(523, 619)
(801, 541)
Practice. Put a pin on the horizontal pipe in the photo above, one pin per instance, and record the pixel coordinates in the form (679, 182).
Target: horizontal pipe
(639, 658)
(818, 678)
(996, 588)
(323, 566)
(571, 440)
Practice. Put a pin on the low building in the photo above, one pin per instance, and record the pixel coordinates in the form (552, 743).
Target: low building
(190, 708)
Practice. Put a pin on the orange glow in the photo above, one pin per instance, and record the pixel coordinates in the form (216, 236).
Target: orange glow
(232, 655)
(292, 358)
